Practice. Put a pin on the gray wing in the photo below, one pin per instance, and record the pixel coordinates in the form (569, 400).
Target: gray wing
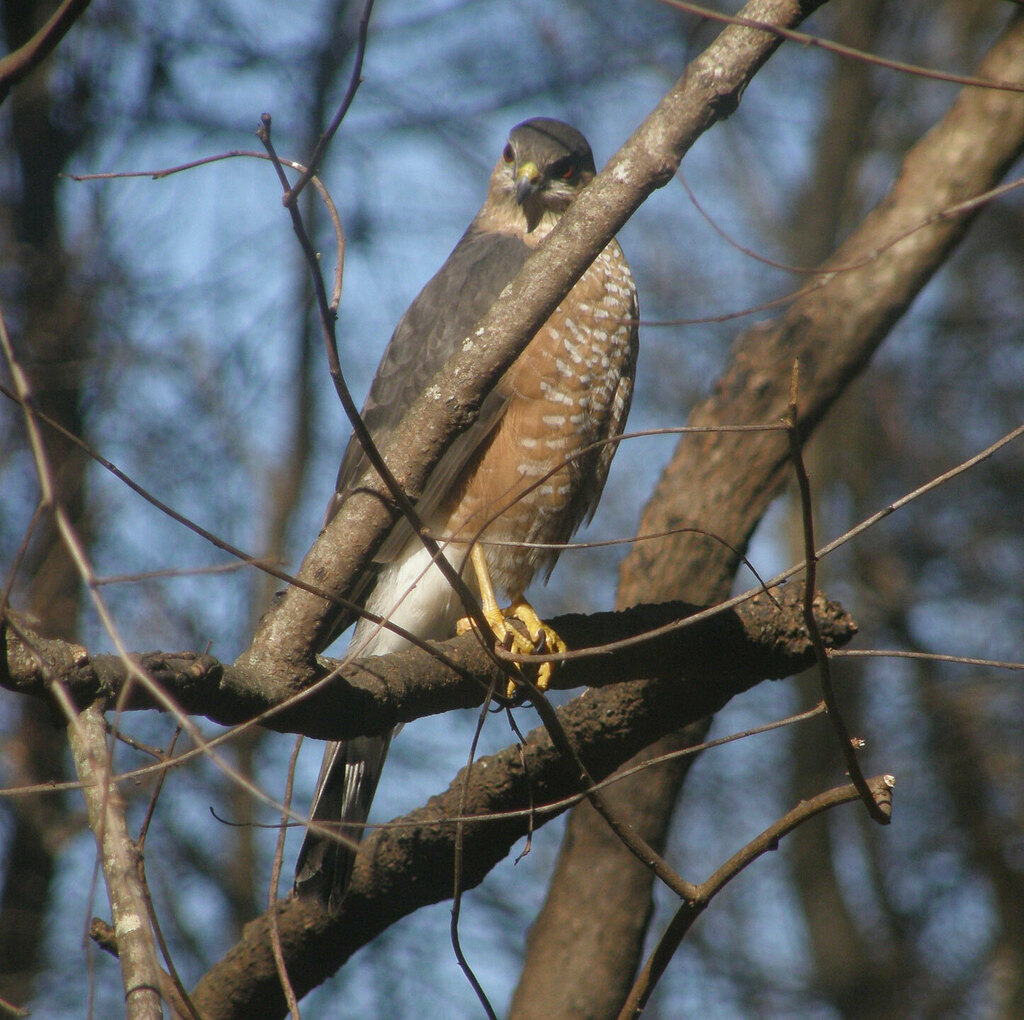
(442, 316)
(428, 334)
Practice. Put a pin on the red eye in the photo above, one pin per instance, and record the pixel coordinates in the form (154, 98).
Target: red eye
(508, 155)
(565, 169)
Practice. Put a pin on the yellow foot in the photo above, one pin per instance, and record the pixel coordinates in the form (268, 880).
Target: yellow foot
(543, 638)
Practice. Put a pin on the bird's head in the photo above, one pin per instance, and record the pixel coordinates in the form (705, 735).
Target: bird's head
(543, 166)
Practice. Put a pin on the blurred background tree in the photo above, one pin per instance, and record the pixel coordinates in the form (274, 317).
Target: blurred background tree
(170, 324)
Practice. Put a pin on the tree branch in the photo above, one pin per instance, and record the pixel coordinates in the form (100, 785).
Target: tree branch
(724, 482)
(17, 65)
(409, 863)
(881, 793)
(136, 948)
(833, 327)
(709, 90)
(762, 638)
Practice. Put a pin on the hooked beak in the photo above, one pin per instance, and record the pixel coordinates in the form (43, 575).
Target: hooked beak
(528, 179)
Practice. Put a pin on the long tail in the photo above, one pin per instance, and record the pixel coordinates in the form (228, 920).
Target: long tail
(344, 792)
(417, 597)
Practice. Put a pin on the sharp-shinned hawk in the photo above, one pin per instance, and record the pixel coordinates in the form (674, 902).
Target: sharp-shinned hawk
(510, 483)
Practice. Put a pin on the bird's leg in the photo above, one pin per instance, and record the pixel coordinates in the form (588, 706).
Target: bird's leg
(542, 636)
(545, 638)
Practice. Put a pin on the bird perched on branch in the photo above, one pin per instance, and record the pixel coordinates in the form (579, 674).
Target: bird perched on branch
(514, 480)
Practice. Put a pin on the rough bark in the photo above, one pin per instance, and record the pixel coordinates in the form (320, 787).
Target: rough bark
(119, 861)
(758, 639)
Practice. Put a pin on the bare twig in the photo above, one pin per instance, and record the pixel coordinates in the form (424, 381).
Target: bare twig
(711, 88)
(845, 51)
(846, 742)
(275, 879)
(328, 321)
(824, 274)
(688, 912)
(174, 988)
(135, 676)
(958, 209)
(249, 560)
(963, 660)
(161, 777)
(355, 80)
(453, 927)
(325, 196)
(774, 582)
(246, 558)
(630, 839)
(19, 555)
(9, 1009)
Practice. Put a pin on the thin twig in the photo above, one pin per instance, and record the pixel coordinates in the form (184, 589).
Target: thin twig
(9, 1009)
(845, 51)
(883, 653)
(178, 993)
(548, 807)
(846, 743)
(325, 195)
(20, 555)
(590, 448)
(275, 879)
(79, 557)
(453, 927)
(630, 839)
(768, 840)
(531, 813)
(157, 789)
(774, 582)
(355, 80)
(828, 271)
(247, 558)
(328, 320)
(17, 65)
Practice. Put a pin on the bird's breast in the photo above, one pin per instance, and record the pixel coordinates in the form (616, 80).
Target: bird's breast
(539, 471)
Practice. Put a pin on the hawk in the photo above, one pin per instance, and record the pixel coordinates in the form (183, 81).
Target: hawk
(515, 482)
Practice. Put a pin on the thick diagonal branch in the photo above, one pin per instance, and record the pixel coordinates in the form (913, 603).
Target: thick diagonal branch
(710, 89)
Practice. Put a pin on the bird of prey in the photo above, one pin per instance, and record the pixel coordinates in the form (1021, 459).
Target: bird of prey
(510, 484)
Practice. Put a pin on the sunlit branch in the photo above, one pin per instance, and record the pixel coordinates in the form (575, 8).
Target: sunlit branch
(843, 50)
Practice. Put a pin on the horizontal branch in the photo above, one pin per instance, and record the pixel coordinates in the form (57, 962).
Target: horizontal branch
(409, 863)
(735, 649)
